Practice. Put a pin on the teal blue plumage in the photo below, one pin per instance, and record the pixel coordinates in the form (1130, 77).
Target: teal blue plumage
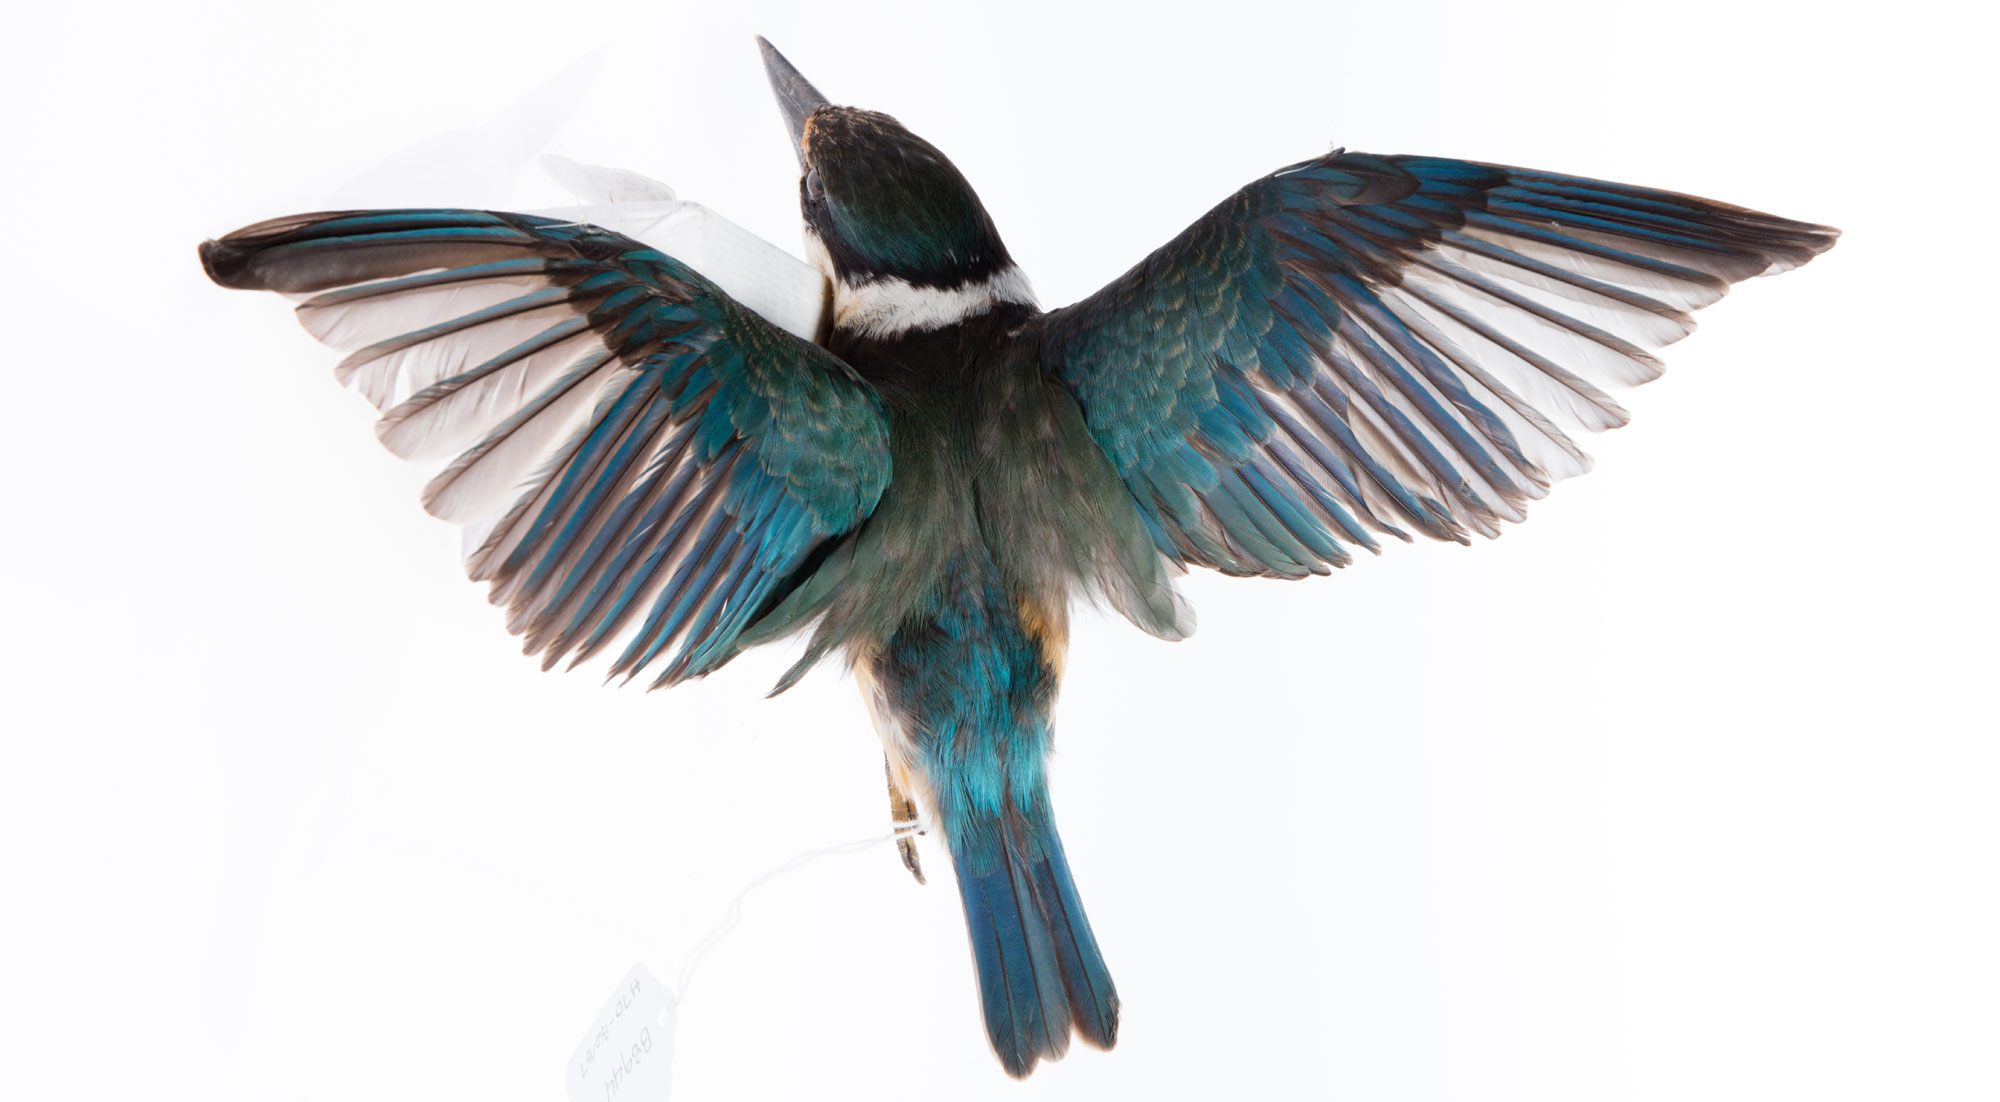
(1207, 376)
(976, 692)
(1350, 347)
(723, 450)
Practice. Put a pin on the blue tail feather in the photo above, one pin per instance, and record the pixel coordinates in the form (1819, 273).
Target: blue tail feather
(1093, 1001)
(1040, 973)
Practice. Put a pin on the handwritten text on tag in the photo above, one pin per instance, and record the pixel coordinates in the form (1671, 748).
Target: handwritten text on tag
(628, 1055)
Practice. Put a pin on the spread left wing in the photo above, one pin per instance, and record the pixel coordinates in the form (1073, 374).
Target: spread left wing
(636, 455)
(1356, 344)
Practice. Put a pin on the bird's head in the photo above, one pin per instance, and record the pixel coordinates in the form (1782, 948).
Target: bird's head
(889, 219)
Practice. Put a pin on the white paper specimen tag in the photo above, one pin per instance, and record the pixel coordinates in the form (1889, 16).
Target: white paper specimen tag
(628, 1055)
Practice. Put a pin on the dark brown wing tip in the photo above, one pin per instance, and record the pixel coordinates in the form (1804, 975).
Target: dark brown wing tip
(229, 265)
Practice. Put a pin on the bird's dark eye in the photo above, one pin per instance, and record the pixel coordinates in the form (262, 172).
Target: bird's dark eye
(813, 191)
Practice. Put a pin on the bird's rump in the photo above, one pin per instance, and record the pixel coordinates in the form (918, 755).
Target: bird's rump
(639, 458)
(1356, 344)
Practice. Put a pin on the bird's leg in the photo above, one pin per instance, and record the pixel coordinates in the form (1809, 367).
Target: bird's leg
(903, 817)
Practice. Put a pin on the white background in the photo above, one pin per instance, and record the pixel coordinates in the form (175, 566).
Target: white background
(1685, 789)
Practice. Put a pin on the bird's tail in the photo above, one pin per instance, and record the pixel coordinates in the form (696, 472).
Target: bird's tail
(1040, 974)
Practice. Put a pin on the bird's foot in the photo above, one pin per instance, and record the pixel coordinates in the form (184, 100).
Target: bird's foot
(903, 818)
(906, 844)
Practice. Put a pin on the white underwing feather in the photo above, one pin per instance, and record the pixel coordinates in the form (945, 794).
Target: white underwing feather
(598, 184)
(493, 475)
(781, 288)
(453, 415)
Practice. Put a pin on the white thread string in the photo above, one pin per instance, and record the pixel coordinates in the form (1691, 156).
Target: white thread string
(735, 914)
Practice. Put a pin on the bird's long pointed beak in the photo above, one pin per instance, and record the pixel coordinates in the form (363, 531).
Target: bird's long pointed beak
(796, 96)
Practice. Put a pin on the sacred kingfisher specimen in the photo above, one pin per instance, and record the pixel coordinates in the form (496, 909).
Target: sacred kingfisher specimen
(672, 443)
